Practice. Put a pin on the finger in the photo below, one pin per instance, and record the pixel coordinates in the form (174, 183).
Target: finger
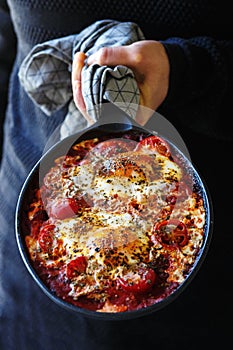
(78, 64)
(112, 56)
(130, 57)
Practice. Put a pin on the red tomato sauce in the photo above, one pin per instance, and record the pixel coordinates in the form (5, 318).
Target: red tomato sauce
(150, 284)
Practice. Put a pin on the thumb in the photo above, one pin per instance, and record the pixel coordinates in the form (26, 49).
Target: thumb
(76, 77)
(111, 56)
(78, 64)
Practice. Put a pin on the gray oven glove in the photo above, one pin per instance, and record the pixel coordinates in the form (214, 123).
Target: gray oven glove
(45, 74)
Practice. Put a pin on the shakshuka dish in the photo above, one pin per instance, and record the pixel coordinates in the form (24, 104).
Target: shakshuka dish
(117, 224)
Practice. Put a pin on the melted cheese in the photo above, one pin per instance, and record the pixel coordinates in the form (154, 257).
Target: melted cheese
(131, 176)
(127, 195)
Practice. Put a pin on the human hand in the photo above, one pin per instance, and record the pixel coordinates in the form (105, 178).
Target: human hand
(149, 62)
(76, 77)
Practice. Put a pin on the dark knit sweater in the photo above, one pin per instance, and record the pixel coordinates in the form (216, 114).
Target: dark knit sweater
(197, 35)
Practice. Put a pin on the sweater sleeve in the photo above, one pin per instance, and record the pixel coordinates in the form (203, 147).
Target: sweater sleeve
(200, 67)
(201, 76)
(7, 54)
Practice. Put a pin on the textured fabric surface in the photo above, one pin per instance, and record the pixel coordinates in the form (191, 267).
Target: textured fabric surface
(45, 74)
(198, 38)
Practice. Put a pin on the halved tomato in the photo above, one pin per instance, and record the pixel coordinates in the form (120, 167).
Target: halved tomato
(64, 208)
(156, 142)
(138, 280)
(172, 232)
(76, 267)
(45, 237)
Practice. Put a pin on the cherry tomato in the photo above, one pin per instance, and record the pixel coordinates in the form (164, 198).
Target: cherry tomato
(172, 232)
(67, 207)
(45, 237)
(76, 267)
(156, 142)
(138, 280)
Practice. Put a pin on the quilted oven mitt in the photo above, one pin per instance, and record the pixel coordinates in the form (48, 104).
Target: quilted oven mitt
(45, 74)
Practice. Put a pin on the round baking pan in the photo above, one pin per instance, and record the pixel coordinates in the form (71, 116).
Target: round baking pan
(122, 125)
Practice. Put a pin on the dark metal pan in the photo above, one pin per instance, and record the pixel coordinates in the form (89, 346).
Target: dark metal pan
(122, 124)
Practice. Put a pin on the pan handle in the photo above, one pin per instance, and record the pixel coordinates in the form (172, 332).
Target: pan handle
(113, 114)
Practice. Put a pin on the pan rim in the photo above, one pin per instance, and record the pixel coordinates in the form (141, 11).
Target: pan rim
(108, 315)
